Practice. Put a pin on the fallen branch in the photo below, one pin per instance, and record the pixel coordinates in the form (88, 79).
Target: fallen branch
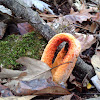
(21, 10)
(83, 68)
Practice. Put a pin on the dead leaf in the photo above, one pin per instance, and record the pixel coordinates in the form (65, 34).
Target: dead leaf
(69, 97)
(54, 90)
(12, 84)
(71, 78)
(18, 98)
(38, 87)
(96, 18)
(8, 73)
(66, 97)
(35, 69)
(48, 17)
(25, 28)
(96, 82)
(93, 27)
(95, 60)
(85, 40)
(5, 91)
(74, 18)
(37, 81)
(80, 16)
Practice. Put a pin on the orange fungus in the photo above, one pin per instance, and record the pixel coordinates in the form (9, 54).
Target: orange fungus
(62, 72)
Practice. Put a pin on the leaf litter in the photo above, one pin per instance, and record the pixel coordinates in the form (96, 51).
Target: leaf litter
(25, 79)
(37, 80)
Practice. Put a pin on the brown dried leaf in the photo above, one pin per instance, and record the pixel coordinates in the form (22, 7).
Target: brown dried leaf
(93, 27)
(85, 40)
(39, 87)
(35, 68)
(48, 17)
(96, 18)
(81, 16)
(25, 28)
(18, 98)
(95, 60)
(5, 91)
(54, 90)
(8, 73)
(66, 97)
(74, 18)
(69, 97)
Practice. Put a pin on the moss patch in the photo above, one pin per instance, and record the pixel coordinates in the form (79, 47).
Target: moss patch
(13, 47)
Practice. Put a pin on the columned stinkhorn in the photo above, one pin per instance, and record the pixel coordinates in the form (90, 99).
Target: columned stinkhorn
(62, 72)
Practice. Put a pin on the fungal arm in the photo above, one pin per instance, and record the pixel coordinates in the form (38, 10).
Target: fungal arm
(61, 73)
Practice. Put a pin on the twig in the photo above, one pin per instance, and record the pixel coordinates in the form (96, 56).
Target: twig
(52, 68)
(89, 93)
(61, 64)
(62, 4)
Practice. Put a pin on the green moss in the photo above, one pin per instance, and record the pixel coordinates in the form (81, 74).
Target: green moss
(13, 47)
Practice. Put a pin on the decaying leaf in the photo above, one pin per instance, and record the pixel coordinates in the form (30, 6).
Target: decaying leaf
(36, 80)
(5, 91)
(48, 17)
(97, 18)
(96, 82)
(25, 28)
(66, 97)
(35, 68)
(18, 98)
(95, 60)
(30, 87)
(85, 40)
(37, 87)
(82, 15)
(69, 97)
(8, 73)
(94, 27)
(54, 90)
